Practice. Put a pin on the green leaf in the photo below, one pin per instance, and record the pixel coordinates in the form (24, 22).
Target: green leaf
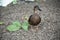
(13, 28)
(1, 23)
(25, 25)
(17, 23)
(14, 1)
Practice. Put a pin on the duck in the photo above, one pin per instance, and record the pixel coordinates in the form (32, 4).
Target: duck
(35, 19)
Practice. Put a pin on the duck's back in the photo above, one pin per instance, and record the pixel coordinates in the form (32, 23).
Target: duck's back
(34, 19)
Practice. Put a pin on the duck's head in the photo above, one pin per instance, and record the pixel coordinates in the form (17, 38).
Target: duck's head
(36, 9)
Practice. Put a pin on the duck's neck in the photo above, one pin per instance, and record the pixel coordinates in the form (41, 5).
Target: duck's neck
(36, 12)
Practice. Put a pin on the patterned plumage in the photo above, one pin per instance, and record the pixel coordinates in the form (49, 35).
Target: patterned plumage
(35, 18)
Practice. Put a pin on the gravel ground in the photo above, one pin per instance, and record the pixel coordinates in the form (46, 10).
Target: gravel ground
(49, 28)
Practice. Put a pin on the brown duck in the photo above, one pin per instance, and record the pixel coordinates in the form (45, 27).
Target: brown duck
(35, 19)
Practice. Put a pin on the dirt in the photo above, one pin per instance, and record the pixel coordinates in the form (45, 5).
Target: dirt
(49, 28)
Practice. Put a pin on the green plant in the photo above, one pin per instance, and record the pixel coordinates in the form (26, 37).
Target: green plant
(1, 23)
(14, 1)
(16, 25)
(25, 25)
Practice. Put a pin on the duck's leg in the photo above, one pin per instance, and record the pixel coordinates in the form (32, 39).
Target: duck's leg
(31, 27)
(36, 28)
